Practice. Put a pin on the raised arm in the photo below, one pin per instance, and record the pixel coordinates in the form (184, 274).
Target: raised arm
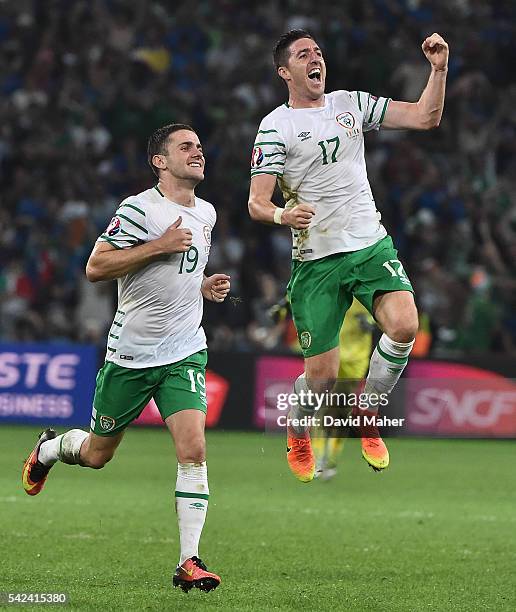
(107, 262)
(262, 209)
(426, 113)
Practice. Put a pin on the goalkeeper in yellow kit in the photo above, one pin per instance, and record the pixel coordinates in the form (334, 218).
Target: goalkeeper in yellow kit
(355, 344)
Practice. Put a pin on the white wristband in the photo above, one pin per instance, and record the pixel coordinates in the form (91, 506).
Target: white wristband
(277, 215)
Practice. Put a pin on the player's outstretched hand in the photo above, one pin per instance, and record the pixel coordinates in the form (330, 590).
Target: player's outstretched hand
(299, 216)
(436, 51)
(176, 239)
(216, 287)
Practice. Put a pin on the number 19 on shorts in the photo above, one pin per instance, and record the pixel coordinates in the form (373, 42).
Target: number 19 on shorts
(197, 383)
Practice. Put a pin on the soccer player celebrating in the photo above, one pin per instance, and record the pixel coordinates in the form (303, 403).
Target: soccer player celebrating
(157, 247)
(313, 146)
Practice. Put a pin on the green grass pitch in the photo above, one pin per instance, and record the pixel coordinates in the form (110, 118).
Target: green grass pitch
(436, 531)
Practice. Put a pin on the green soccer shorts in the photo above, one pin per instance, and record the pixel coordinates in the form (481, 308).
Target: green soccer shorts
(121, 394)
(321, 291)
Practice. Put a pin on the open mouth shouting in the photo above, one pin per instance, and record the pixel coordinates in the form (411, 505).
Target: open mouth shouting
(315, 75)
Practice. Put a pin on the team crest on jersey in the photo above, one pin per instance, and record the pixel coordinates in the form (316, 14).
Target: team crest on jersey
(107, 423)
(347, 121)
(207, 233)
(114, 227)
(257, 157)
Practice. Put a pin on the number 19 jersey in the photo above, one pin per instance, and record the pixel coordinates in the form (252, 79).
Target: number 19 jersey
(159, 313)
(318, 156)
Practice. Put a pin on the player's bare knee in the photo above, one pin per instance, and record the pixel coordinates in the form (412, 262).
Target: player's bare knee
(403, 329)
(192, 450)
(322, 378)
(197, 451)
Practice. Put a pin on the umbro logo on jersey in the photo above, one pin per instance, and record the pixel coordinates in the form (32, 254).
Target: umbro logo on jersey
(304, 135)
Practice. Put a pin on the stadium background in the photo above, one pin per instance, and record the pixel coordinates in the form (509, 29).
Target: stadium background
(82, 85)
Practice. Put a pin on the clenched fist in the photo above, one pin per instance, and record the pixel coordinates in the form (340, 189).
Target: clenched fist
(216, 287)
(436, 51)
(299, 216)
(176, 239)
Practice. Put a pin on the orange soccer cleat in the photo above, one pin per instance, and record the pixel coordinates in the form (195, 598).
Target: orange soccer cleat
(374, 450)
(193, 574)
(34, 473)
(300, 456)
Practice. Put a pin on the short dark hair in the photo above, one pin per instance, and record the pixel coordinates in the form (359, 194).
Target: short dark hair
(157, 144)
(281, 51)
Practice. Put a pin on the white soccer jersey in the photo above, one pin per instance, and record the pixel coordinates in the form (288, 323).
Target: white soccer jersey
(158, 319)
(318, 156)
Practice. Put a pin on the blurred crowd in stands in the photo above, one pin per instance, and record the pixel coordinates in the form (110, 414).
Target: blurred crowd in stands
(84, 82)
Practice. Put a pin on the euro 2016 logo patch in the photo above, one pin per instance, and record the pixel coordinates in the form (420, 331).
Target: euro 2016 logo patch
(256, 157)
(305, 340)
(114, 227)
(107, 423)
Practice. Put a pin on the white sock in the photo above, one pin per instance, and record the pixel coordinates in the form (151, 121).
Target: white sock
(301, 410)
(48, 451)
(65, 447)
(388, 361)
(192, 494)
